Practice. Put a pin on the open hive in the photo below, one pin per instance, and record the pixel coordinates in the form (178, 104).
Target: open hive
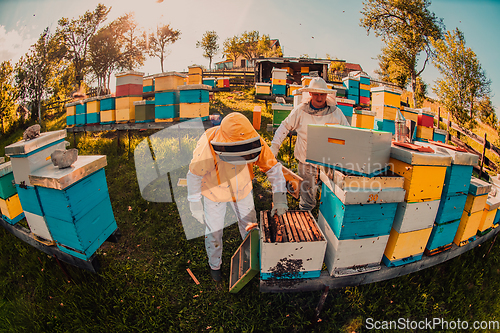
(292, 246)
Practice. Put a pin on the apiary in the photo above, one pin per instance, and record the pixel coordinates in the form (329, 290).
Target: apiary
(148, 84)
(168, 81)
(356, 215)
(193, 101)
(7, 187)
(363, 119)
(76, 205)
(291, 246)
(346, 106)
(280, 112)
(423, 169)
(473, 211)
(144, 111)
(360, 151)
(129, 83)
(94, 110)
(27, 156)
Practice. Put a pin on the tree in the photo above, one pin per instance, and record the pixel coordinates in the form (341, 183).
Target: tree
(209, 45)
(105, 55)
(264, 48)
(133, 43)
(406, 27)
(77, 33)
(8, 93)
(487, 113)
(159, 40)
(464, 82)
(232, 48)
(249, 44)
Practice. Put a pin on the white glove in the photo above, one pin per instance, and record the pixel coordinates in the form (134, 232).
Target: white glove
(275, 148)
(279, 203)
(196, 208)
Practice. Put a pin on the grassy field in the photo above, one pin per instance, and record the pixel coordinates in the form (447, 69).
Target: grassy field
(143, 285)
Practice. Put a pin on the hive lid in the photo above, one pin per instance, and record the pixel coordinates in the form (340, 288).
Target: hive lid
(25, 147)
(51, 176)
(279, 106)
(169, 74)
(345, 100)
(414, 157)
(5, 168)
(478, 187)
(92, 99)
(108, 96)
(393, 90)
(366, 112)
(458, 156)
(129, 73)
(194, 87)
(492, 203)
(73, 103)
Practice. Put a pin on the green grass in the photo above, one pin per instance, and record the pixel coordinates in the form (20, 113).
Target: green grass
(143, 285)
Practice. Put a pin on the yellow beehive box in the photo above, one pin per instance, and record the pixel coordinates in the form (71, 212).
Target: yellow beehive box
(306, 80)
(93, 105)
(194, 79)
(70, 109)
(195, 70)
(386, 96)
(363, 119)
(425, 132)
(108, 116)
(279, 82)
(469, 224)
(406, 244)
(126, 102)
(410, 114)
(125, 115)
(304, 69)
(147, 82)
(11, 207)
(292, 88)
(193, 110)
(262, 88)
(486, 220)
(422, 182)
(385, 112)
(364, 86)
(168, 81)
(475, 203)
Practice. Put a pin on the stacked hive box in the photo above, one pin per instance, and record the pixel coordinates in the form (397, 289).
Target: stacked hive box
(144, 111)
(424, 173)
(278, 81)
(386, 103)
(363, 119)
(425, 126)
(291, 246)
(76, 205)
(292, 88)
(305, 80)
(209, 81)
(440, 135)
(297, 98)
(352, 86)
(194, 101)
(280, 112)
(10, 206)
(364, 89)
(356, 214)
(71, 114)
(167, 96)
(304, 71)
(128, 90)
(262, 88)
(355, 150)
(473, 211)
(410, 114)
(195, 75)
(148, 84)
(488, 217)
(81, 113)
(93, 110)
(223, 82)
(341, 91)
(27, 157)
(346, 106)
(107, 106)
(453, 197)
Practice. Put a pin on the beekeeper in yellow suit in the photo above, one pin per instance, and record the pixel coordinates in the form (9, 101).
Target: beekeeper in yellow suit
(221, 172)
(317, 108)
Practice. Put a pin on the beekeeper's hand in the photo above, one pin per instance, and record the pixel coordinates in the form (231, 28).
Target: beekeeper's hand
(196, 208)
(275, 148)
(279, 203)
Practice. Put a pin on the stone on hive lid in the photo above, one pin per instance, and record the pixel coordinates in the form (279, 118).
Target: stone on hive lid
(64, 158)
(31, 132)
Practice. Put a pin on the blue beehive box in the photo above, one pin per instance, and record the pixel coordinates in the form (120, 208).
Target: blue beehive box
(93, 118)
(167, 98)
(439, 135)
(209, 81)
(76, 205)
(442, 236)
(451, 208)
(167, 111)
(70, 120)
(80, 119)
(30, 200)
(278, 89)
(107, 103)
(7, 188)
(81, 108)
(193, 95)
(385, 125)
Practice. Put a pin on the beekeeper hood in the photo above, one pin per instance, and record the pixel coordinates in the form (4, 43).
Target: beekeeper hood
(236, 141)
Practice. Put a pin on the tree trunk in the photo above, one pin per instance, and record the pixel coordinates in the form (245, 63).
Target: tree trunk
(413, 86)
(161, 61)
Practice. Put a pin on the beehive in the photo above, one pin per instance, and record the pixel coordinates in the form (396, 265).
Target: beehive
(385, 112)
(404, 248)
(424, 172)
(415, 215)
(76, 205)
(12, 211)
(94, 110)
(129, 83)
(356, 150)
(262, 88)
(426, 118)
(125, 108)
(425, 133)
(439, 135)
(194, 101)
(168, 81)
(488, 216)
(387, 96)
(363, 119)
(356, 214)
(195, 75)
(410, 113)
(280, 112)
(7, 188)
(209, 81)
(81, 113)
(71, 114)
(292, 88)
(291, 246)
(30, 155)
(346, 106)
(441, 237)
(108, 109)
(144, 111)
(385, 125)
(223, 82)
(148, 84)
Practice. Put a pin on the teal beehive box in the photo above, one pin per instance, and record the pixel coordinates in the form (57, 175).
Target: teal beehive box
(7, 187)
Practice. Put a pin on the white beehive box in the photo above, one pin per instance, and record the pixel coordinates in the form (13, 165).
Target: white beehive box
(415, 216)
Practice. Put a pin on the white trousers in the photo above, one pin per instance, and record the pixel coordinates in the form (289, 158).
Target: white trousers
(215, 213)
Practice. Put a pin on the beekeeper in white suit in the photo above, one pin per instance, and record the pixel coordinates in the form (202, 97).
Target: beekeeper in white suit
(221, 171)
(317, 108)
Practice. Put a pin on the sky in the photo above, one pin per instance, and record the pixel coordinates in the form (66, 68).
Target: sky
(313, 27)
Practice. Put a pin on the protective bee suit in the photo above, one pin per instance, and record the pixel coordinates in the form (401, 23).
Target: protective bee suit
(298, 119)
(221, 172)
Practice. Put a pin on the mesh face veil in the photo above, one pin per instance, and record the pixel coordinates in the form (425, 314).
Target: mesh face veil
(240, 152)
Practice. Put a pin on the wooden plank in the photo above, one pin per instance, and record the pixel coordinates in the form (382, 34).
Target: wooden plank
(283, 228)
(300, 232)
(385, 273)
(314, 227)
(291, 224)
(287, 228)
(304, 226)
(279, 232)
(265, 226)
